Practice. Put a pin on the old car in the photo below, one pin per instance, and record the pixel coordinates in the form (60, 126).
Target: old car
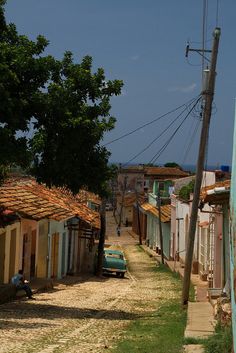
(114, 262)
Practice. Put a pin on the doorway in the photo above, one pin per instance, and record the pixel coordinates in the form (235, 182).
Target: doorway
(2, 256)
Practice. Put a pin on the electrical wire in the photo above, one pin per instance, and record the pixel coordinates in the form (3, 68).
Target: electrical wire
(150, 122)
(156, 138)
(162, 149)
(161, 134)
(192, 138)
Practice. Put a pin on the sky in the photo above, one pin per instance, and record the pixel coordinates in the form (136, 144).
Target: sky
(142, 42)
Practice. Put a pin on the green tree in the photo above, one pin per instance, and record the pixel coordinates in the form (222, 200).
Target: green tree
(186, 190)
(172, 165)
(75, 116)
(23, 74)
(68, 106)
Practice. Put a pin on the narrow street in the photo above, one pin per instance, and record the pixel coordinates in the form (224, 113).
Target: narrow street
(87, 315)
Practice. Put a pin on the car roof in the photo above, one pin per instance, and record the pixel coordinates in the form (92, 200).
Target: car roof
(112, 251)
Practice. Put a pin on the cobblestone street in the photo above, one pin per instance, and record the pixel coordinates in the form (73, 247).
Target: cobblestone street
(86, 315)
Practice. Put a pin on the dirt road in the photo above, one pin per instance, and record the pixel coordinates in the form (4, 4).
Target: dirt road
(85, 316)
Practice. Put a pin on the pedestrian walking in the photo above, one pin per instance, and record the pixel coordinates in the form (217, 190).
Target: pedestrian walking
(118, 230)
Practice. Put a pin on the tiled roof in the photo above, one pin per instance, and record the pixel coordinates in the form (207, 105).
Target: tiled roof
(165, 211)
(30, 199)
(164, 171)
(154, 171)
(217, 193)
(131, 198)
(84, 196)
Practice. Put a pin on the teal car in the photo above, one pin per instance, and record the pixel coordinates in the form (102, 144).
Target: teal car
(114, 262)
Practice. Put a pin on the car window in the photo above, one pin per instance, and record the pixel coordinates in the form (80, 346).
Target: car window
(116, 256)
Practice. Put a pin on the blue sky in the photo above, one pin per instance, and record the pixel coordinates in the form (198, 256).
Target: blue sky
(143, 43)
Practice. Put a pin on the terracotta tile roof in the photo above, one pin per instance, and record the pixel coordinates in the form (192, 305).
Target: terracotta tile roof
(30, 199)
(217, 193)
(164, 171)
(84, 196)
(165, 211)
(131, 198)
(154, 171)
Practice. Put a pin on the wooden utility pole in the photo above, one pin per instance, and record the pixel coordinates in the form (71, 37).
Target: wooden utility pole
(208, 95)
(101, 238)
(123, 199)
(138, 216)
(160, 226)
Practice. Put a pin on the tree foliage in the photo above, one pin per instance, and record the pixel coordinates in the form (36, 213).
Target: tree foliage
(70, 108)
(75, 117)
(186, 190)
(23, 73)
(172, 165)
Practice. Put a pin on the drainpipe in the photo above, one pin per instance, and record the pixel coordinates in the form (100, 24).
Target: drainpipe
(226, 247)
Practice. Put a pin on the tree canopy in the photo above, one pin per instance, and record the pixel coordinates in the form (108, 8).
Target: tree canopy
(72, 124)
(68, 106)
(23, 73)
(172, 165)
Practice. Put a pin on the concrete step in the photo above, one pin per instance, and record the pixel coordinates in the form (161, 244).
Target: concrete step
(200, 320)
(193, 348)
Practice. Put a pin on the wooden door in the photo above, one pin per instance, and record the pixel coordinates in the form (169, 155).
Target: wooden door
(12, 254)
(63, 258)
(26, 255)
(54, 254)
(2, 256)
(32, 255)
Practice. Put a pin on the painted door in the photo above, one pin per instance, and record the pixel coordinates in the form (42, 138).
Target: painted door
(32, 254)
(54, 254)
(26, 255)
(2, 256)
(63, 258)
(12, 254)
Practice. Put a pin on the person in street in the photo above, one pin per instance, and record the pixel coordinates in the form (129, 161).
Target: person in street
(19, 281)
(118, 230)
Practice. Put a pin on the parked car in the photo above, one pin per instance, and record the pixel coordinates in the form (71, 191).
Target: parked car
(114, 262)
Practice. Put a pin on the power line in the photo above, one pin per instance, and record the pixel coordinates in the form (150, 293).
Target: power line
(150, 122)
(162, 149)
(158, 136)
(192, 138)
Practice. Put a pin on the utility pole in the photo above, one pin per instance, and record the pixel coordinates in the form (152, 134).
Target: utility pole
(123, 199)
(138, 217)
(160, 227)
(208, 95)
(101, 238)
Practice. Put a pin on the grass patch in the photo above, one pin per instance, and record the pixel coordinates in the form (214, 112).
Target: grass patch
(139, 248)
(221, 341)
(192, 340)
(165, 269)
(161, 331)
